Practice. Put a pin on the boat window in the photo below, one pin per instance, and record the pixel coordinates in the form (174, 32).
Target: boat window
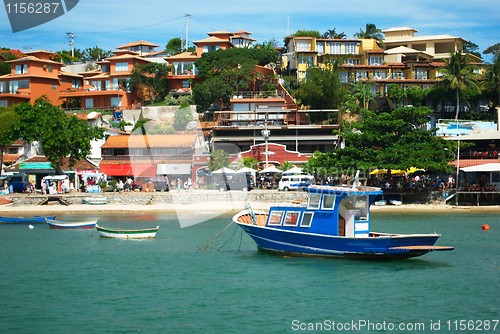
(275, 218)
(306, 219)
(313, 202)
(291, 218)
(361, 201)
(328, 202)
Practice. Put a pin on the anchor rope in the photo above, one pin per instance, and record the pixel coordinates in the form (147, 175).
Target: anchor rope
(228, 239)
(212, 240)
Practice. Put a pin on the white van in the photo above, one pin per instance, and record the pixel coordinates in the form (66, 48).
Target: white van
(295, 182)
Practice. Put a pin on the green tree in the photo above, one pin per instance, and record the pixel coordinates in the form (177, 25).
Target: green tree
(59, 134)
(307, 33)
(94, 54)
(360, 93)
(371, 32)
(389, 141)
(8, 55)
(174, 46)
(9, 130)
(395, 93)
(416, 94)
(494, 50)
(471, 48)
(219, 159)
(66, 56)
(331, 33)
(492, 82)
(286, 165)
(150, 78)
(226, 71)
(182, 117)
(322, 89)
(458, 74)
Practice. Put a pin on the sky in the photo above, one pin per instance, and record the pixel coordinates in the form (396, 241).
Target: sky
(113, 23)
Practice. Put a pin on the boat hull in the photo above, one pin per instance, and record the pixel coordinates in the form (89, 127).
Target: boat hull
(127, 234)
(33, 220)
(377, 246)
(71, 225)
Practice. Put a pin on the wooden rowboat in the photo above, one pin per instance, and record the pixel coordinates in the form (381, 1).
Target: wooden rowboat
(107, 232)
(98, 200)
(32, 220)
(70, 225)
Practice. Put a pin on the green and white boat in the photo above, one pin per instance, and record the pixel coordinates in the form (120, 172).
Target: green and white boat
(108, 232)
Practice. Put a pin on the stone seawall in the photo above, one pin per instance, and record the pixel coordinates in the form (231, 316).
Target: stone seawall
(173, 197)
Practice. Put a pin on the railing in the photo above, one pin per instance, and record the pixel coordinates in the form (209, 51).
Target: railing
(81, 90)
(274, 117)
(259, 95)
(153, 157)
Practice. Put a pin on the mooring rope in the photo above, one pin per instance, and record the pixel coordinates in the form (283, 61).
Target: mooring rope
(215, 237)
(232, 235)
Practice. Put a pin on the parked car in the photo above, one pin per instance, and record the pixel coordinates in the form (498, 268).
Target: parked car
(295, 182)
(159, 183)
(234, 182)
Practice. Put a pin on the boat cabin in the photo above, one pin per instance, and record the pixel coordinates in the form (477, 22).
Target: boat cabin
(335, 211)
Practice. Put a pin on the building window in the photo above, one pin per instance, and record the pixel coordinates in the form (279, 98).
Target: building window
(185, 84)
(379, 75)
(3, 103)
(50, 69)
(21, 69)
(76, 83)
(16, 84)
(350, 48)
(398, 75)
(63, 81)
(328, 202)
(335, 48)
(121, 67)
(352, 61)
(54, 87)
(116, 101)
(361, 75)
(374, 90)
(306, 60)
(375, 61)
(3, 87)
(89, 103)
(105, 68)
(344, 77)
(302, 46)
(320, 47)
(208, 48)
(421, 74)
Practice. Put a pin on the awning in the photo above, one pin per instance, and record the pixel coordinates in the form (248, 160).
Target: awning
(173, 169)
(145, 170)
(117, 170)
(492, 167)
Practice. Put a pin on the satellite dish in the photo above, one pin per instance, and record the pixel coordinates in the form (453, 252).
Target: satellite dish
(92, 115)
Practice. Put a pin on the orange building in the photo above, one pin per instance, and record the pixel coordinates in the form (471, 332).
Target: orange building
(31, 77)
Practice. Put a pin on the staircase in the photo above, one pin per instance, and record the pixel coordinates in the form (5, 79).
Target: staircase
(382, 104)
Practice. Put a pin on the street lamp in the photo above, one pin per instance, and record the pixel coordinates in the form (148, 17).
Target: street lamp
(457, 156)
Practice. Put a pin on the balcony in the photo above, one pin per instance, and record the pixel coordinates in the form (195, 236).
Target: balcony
(259, 95)
(154, 158)
(75, 92)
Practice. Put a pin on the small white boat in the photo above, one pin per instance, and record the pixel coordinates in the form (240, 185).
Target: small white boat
(70, 225)
(108, 232)
(97, 200)
(381, 202)
(394, 201)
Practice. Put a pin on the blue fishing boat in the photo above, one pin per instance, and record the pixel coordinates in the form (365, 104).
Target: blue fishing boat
(335, 222)
(32, 220)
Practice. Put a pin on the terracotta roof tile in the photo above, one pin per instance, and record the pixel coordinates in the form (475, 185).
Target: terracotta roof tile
(137, 44)
(124, 141)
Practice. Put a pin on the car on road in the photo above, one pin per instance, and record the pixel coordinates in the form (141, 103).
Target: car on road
(234, 182)
(159, 183)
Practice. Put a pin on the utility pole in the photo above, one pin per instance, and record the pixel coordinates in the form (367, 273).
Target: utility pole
(181, 41)
(71, 37)
(187, 17)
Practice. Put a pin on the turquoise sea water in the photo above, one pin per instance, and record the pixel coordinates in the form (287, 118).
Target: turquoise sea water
(60, 281)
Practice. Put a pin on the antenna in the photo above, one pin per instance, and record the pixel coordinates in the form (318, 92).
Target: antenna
(187, 17)
(288, 27)
(27, 48)
(71, 37)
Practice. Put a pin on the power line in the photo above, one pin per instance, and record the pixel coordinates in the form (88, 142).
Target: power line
(133, 28)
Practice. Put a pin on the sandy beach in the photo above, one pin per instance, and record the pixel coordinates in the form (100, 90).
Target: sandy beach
(219, 207)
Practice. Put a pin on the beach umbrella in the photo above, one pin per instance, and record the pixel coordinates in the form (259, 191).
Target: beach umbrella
(246, 170)
(412, 170)
(271, 169)
(294, 170)
(378, 172)
(398, 171)
(223, 170)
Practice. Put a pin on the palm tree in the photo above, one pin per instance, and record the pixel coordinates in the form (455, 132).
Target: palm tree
(493, 81)
(371, 32)
(331, 33)
(458, 73)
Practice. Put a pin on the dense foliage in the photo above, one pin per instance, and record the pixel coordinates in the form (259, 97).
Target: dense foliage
(150, 78)
(9, 127)
(386, 140)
